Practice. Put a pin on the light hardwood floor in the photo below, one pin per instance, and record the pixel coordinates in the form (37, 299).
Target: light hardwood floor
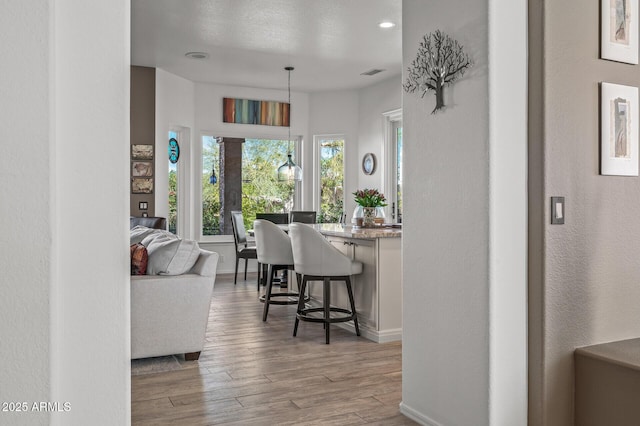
(256, 373)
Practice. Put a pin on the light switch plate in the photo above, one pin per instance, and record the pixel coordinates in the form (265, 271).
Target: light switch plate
(558, 211)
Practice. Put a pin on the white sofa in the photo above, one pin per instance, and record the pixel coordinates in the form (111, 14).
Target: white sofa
(169, 313)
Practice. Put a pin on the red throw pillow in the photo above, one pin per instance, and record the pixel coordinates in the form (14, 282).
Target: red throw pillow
(139, 259)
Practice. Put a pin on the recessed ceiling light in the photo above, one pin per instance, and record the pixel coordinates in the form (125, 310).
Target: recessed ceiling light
(196, 55)
(386, 24)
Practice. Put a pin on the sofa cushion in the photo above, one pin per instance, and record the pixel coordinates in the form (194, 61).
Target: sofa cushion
(139, 259)
(169, 255)
(139, 233)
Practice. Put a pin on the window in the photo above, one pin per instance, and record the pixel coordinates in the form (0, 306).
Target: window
(397, 201)
(393, 163)
(246, 179)
(173, 190)
(210, 186)
(330, 178)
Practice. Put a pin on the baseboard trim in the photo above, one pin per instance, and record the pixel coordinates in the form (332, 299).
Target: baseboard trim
(416, 416)
(384, 336)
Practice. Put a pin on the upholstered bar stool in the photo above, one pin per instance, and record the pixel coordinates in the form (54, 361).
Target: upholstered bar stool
(274, 249)
(317, 260)
(302, 216)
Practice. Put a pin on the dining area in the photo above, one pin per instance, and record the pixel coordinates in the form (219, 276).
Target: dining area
(347, 275)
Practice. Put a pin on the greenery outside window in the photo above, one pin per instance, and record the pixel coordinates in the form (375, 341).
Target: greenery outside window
(330, 178)
(261, 190)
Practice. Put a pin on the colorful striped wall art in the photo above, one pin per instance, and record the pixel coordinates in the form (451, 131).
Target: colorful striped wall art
(246, 111)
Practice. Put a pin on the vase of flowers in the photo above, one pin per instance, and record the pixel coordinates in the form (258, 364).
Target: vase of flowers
(371, 202)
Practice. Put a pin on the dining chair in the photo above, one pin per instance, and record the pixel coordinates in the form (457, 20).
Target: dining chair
(302, 216)
(316, 259)
(274, 249)
(243, 249)
(279, 218)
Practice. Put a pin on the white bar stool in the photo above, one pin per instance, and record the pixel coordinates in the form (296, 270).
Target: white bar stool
(317, 260)
(274, 249)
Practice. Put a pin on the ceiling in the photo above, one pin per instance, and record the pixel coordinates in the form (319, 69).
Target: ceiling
(249, 42)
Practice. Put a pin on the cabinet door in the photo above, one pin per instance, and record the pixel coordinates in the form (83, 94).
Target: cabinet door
(365, 286)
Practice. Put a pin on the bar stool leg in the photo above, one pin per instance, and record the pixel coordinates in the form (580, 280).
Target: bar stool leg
(267, 296)
(327, 308)
(353, 305)
(300, 304)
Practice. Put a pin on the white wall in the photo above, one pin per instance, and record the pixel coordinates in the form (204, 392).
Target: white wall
(175, 103)
(90, 313)
(337, 113)
(374, 101)
(65, 309)
(26, 209)
(357, 114)
(464, 304)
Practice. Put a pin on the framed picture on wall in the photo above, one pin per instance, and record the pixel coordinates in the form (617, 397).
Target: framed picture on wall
(619, 30)
(142, 185)
(618, 130)
(141, 168)
(142, 152)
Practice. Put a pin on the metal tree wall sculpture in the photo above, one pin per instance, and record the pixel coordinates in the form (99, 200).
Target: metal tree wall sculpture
(440, 61)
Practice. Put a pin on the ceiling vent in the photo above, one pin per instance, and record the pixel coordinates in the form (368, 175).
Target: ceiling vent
(372, 72)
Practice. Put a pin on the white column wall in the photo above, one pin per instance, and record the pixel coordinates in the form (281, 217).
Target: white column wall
(64, 313)
(175, 108)
(508, 211)
(90, 313)
(26, 208)
(464, 263)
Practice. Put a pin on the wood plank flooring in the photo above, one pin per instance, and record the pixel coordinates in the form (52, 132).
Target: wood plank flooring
(256, 373)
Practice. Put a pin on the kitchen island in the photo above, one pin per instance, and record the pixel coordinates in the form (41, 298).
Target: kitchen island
(378, 289)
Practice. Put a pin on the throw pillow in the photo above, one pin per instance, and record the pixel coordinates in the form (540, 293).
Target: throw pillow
(139, 259)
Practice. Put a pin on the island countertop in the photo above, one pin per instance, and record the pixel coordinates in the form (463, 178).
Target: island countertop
(349, 231)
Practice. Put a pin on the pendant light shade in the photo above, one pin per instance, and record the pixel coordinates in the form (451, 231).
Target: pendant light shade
(289, 170)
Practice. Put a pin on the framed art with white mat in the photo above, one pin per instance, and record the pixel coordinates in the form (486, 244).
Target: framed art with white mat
(618, 130)
(619, 30)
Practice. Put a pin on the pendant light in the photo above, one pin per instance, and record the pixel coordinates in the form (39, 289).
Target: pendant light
(289, 170)
(213, 179)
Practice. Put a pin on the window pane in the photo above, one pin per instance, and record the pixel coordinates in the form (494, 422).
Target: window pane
(261, 190)
(331, 180)
(399, 174)
(210, 187)
(173, 191)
